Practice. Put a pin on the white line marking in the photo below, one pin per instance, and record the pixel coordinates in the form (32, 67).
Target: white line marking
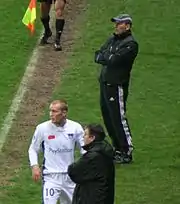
(8, 121)
(16, 102)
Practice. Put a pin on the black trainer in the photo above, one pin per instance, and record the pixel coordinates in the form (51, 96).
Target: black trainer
(122, 158)
(45, 37)
(57, 46)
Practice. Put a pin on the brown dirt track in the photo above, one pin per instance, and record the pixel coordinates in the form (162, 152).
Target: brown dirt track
(46, 77)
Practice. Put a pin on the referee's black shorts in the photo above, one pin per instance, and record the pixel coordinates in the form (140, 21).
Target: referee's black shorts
(48, 1)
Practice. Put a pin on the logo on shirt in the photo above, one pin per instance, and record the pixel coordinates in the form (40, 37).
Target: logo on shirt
(70, 135)
(59, 150)
(51, 137)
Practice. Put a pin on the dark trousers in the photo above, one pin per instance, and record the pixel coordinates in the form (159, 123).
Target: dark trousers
(113, 99)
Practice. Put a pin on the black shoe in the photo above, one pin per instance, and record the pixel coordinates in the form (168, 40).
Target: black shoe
(45, 37)
(122, 158)
(57, 46)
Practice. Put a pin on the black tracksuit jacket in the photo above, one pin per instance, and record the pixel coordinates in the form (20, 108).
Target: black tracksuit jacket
(116, 57)
(94, 175)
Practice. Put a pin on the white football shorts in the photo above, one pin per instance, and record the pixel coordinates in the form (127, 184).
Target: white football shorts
(57, 187)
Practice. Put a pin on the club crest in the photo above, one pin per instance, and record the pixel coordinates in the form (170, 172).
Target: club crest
(70, 135)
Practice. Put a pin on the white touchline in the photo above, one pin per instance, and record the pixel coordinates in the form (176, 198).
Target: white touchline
(8, 121)
(16, 102)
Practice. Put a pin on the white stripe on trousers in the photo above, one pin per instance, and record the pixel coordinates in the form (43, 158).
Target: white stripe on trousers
(123, 117)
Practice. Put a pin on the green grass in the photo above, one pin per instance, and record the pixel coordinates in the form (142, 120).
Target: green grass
(152, 106)
(16, 47)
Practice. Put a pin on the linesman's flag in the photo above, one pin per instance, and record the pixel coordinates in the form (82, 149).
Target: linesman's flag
(30, 16)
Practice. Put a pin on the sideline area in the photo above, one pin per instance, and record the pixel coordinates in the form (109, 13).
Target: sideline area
(153, 102)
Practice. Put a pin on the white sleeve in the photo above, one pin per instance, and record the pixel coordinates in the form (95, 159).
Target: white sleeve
(80, 138)
(35, 146)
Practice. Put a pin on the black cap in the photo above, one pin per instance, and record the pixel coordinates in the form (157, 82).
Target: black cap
(122, 18)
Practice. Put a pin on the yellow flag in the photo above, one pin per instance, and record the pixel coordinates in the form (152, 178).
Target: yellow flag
(30, 16)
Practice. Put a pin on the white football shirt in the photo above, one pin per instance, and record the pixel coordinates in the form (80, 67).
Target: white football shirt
(57, 144)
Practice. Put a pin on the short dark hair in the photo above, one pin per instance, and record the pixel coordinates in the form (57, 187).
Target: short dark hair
(97, 131)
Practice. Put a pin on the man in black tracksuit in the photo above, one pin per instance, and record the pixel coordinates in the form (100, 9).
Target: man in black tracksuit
(94, 172)
(117, 56)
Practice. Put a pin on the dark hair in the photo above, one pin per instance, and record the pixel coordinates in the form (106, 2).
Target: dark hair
(96, 130)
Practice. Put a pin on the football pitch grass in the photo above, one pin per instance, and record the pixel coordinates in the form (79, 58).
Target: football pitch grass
(16, 46)
(153, 102)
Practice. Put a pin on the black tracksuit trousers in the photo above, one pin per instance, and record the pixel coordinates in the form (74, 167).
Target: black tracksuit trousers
(113, 99)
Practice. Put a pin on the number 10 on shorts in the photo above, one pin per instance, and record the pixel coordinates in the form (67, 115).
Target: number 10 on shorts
(49, 192)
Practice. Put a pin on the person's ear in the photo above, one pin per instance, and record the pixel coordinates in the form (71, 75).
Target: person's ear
(128, 26)
(92, 137)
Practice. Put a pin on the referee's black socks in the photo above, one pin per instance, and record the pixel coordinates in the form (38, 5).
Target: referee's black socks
(45, 22)
(59, 29)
